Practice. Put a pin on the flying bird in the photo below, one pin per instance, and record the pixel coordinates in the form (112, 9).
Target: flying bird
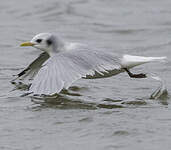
(62, 63)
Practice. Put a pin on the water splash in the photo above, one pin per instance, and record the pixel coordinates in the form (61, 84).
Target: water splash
(161, 92)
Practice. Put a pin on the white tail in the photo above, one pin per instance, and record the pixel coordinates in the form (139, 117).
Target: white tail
(129, 61)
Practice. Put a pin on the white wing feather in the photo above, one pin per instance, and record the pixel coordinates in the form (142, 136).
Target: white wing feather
(62, 69)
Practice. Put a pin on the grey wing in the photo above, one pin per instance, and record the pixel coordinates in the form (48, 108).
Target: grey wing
(61, 70)
(30, 72)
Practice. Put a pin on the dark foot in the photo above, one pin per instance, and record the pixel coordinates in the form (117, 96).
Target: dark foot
(141, 75)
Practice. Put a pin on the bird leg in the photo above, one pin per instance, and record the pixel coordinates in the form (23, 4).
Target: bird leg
(141, 75)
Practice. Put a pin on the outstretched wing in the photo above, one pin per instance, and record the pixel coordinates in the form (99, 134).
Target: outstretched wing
(30, 72)
(61, 70)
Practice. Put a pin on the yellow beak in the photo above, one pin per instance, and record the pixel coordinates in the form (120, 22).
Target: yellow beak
(27, 44)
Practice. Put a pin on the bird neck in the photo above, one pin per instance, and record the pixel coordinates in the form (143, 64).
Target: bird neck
(57, 48)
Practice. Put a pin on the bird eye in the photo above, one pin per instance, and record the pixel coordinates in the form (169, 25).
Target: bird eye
(49, 42)
(39, 40)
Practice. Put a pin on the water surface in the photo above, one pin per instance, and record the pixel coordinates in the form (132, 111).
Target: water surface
(102, 114)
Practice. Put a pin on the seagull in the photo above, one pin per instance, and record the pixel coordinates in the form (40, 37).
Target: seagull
(62, 63)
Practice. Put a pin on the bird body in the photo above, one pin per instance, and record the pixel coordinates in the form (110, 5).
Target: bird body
(63, 63)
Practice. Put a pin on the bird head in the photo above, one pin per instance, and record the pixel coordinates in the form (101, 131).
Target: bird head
(46, 42)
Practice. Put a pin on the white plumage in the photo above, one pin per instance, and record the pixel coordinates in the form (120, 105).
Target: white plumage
(63, 63)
